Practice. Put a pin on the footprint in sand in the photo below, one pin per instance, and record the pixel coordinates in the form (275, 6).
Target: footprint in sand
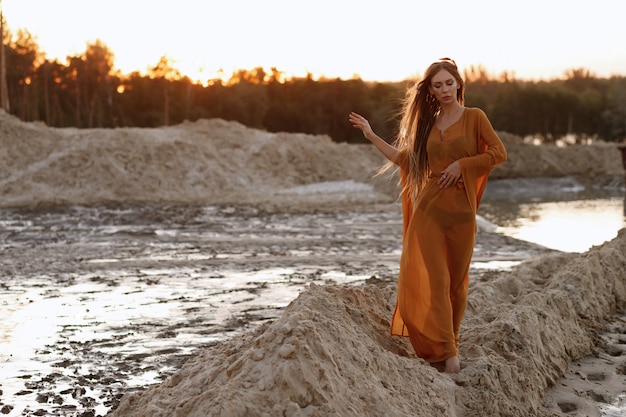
(595, 385)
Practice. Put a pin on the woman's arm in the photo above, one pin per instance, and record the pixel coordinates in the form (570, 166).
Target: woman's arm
(493, 152)
(361, 123)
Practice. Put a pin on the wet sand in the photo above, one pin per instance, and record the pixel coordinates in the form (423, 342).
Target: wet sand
(120, 297)
(596, 384)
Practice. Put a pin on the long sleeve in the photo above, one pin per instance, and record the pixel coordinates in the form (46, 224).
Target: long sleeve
(491, 153)
(491, 149)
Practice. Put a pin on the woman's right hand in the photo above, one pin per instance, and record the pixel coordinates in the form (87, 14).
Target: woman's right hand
(362, 124)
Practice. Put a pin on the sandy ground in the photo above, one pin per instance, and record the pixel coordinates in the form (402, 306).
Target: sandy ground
(544, 338)
(329, 353)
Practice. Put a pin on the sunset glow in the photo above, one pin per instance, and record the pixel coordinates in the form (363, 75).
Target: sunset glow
(208, 40)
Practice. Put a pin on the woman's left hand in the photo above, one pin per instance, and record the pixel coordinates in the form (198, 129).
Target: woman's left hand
(361, 123)
(450, 176)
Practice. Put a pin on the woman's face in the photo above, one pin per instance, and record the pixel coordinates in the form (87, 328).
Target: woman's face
(444, 86)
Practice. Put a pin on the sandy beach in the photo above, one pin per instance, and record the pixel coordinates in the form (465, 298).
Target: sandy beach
(542, 338)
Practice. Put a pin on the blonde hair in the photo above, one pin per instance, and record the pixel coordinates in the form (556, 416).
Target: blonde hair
(417, 117)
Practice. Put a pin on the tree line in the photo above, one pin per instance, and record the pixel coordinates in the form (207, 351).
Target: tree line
(87, 92)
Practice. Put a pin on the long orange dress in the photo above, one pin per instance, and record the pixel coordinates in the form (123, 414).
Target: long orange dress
(438, 237)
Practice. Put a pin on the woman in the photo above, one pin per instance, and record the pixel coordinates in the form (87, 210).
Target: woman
(445, 152)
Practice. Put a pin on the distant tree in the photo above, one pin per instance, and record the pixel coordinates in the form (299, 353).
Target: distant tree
(87, 92)
(164, 72)
(92, 85)
(23, 58)
(57, 101)
(4, 93)
(614, 115)
(141, 101)
(579, 78)
(476, 75)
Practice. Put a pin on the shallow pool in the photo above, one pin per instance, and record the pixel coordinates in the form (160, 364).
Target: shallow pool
(556, 213)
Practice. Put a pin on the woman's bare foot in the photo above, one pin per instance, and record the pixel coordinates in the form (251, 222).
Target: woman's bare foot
(453, 365)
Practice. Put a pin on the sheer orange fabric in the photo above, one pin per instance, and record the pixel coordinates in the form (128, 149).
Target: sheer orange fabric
(438, 237)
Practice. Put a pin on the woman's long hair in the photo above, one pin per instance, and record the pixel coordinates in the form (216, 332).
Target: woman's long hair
(418, 115)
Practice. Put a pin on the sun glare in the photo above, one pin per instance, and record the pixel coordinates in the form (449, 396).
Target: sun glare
(211, 40)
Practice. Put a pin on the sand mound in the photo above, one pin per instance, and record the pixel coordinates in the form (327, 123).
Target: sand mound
(330, 354)
(214, 161)
(589, 163)
(209, 161)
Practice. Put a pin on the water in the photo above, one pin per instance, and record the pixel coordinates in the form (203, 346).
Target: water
(557, 213)
(570, 226)
(100, 301)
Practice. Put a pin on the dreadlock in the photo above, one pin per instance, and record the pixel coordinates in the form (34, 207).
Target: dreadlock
(418, 114)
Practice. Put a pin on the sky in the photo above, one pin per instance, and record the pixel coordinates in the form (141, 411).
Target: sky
(384, 40)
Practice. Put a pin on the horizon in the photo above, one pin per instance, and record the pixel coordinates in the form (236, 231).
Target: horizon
(333, 40)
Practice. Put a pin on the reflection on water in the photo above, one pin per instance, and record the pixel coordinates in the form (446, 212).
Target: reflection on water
(556, 213)
(571, 226)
